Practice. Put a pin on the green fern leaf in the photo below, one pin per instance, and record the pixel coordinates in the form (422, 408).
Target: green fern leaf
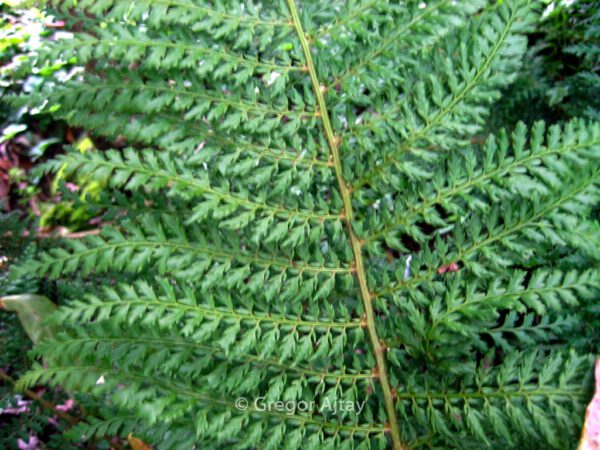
(306, 248)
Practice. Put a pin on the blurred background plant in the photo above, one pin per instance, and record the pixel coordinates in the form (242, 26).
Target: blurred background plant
(560, 78)
(28, 138)
(32, 208)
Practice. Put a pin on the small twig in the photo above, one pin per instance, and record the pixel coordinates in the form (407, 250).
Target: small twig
(61, 232)
(46, 404)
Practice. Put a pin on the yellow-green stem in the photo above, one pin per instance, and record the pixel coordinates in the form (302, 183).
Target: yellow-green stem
(361, 275)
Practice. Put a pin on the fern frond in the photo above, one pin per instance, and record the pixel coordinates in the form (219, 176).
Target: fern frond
(504, 171)
(149, 396)
(132, 169)
(421, 25)
(522, 333)
(301, 211)
(444, 327)
(509, 405)
(444, 101)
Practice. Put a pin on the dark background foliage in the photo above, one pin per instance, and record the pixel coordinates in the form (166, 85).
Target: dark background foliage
(561, 74)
